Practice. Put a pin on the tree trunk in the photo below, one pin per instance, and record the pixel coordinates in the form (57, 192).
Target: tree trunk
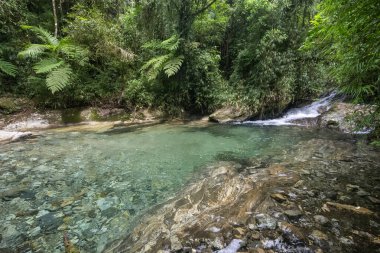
(55, 19)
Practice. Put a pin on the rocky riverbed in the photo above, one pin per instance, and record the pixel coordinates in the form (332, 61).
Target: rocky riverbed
(274, 189)
(323, 197)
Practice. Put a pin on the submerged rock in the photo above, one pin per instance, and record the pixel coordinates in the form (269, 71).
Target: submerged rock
(265, 221)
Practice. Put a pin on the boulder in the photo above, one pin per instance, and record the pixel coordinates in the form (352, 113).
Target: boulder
(228, 114)
(344, 117)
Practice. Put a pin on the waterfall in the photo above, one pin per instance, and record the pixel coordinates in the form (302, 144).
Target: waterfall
(290, 117)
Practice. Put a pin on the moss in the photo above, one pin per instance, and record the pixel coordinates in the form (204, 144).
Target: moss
(71, 116)
(9, 105)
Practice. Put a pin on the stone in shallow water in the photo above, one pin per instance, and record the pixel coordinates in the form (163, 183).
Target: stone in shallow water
(265, 221)
(362, 193)
(293, 214)
(217, 243)
(321, 219)
(278, 197)
(175, 243)
(374, 200)
(49, 222)
(319, 238)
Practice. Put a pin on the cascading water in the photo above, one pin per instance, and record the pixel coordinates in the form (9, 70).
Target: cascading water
(310, 111)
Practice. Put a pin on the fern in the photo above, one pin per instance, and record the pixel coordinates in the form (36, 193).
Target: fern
(42, 34)
(169, 62)
(55, 57)
(74, 52)
(172, 66)
(33, 51)
(59, 78)
(47, 65)
(8, 68)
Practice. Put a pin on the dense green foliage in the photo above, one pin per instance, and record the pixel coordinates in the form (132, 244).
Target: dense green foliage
(190, 55)
(346, 34)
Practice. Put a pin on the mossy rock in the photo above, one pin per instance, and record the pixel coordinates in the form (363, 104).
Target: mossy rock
(9, 105)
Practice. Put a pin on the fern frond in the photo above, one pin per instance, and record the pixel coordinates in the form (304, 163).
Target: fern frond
(171, 44)
(42, 34)
(47, 65)
(172, 66)
(74, 52)
(33, 51)
(156, 62)
(154, 44)
(8, 68)
(59, 78)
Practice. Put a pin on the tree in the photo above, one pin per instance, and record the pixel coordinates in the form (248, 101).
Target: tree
(347, 35)
(55, 58)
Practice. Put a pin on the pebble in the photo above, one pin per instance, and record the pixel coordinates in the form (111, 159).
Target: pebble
(362, 193)
(278, 197)
(175, 243)
(374, 200)
(293, 214)
(265, 221)
(321, 219)
(319, 237)
(217, 243)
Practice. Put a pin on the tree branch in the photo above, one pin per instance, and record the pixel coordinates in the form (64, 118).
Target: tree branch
(204, 8)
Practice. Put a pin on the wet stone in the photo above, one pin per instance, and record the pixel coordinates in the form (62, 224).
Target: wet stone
(319, 238)
(265, 221)
(352, 187)
(321, 219)
(374, 200)
(362, 193)
(217, 244)
(110, 212)
(293, 214)
(278, 197)
(49, 222)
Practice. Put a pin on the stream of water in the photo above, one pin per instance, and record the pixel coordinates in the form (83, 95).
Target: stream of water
(93, 186)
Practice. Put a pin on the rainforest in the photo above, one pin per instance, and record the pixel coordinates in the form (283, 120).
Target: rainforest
(189, 126)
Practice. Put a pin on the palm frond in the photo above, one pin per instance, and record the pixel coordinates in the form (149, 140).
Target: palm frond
(42, 34)
(8, 68)
(172, 66)
(47, 65)
(59, 78)
(33, 51)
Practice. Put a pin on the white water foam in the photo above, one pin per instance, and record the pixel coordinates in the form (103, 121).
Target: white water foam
(310, 111)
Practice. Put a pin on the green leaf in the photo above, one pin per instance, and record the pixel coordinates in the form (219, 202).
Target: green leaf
(172, 66)
(47, 65)
(42, 34)
(59, 78)
(33, 51)
(8, 68)
(74, 51)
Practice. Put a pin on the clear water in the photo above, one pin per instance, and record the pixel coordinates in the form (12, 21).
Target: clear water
(94, 186)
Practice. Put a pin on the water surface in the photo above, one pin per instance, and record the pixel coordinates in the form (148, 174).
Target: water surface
(94, 186)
